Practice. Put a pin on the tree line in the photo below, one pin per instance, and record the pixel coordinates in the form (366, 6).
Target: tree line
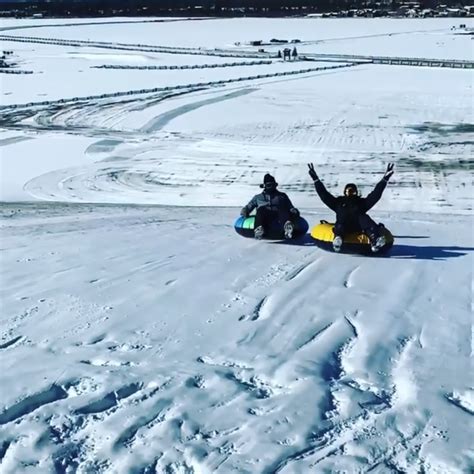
(94, 8)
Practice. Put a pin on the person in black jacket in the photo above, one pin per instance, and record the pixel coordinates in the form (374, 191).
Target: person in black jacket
(351, 209)
(272, 205)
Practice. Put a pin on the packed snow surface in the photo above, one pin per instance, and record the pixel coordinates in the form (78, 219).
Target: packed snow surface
(140, 333)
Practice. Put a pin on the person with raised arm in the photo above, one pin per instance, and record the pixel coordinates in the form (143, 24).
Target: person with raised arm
(351, 209)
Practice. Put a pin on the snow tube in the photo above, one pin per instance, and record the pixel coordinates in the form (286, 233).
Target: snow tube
(353, 243)
(245, 225)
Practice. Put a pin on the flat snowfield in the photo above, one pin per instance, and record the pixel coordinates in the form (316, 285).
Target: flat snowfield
(141, 334)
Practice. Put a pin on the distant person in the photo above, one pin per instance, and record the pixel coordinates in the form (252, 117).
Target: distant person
(272, 206)
(279, 54)
(351, 209)
(294, 53)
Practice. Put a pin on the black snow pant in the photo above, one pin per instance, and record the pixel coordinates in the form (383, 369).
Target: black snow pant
(361, 223)
(266, 217)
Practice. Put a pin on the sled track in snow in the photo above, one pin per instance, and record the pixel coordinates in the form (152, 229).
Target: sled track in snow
(149, 173)
(188, 87)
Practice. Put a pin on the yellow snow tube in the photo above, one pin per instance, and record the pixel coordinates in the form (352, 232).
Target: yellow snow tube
(355, 242)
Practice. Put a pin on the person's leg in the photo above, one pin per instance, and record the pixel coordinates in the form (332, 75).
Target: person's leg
(270, 218)
(369, 226)
(338, 230)
(260, 218)
(293, 217)
(290, 220)
(372, 230)
(289, 225)
(263, 221)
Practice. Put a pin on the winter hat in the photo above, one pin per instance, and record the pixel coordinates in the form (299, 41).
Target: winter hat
(269, 181)
(349, 186)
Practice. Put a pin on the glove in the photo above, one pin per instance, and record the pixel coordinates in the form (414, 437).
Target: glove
(388, 174)
(244, 212)
(295, 211)
(312, 172)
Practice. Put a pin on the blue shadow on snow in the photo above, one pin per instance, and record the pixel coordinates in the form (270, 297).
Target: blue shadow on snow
(399, 251)
(426, 252)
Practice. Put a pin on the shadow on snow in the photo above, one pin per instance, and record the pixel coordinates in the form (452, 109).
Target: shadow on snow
(303, 241)
(417, 252)
(426, 252)
(411, 237)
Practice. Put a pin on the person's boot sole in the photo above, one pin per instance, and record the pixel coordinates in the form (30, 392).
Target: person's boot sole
(289, 232)
(337, 248)
(379, 243)
(258, 235)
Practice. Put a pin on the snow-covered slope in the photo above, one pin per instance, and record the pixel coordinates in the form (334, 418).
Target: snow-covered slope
(140, 333)
(157, 339)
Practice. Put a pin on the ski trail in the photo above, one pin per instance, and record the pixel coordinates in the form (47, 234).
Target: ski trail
(257, 311)
(10, 342)
(348, 281)
(32, 403)
(109, 400)
(161, 121)
(314, 337)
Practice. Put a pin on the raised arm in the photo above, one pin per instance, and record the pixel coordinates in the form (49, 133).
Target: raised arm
(323, 193)
(374, 197)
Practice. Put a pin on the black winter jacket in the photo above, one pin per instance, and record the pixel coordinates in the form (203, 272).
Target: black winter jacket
(348, 208)
(274, 201)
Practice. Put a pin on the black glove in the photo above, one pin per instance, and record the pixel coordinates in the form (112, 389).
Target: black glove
(389, 172)
(244, 212)
(295, 211)
(312, 173)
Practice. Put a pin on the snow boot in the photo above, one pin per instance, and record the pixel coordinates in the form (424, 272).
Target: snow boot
(258, 232)
(337, 243)
(289, 229)
(377, 243)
